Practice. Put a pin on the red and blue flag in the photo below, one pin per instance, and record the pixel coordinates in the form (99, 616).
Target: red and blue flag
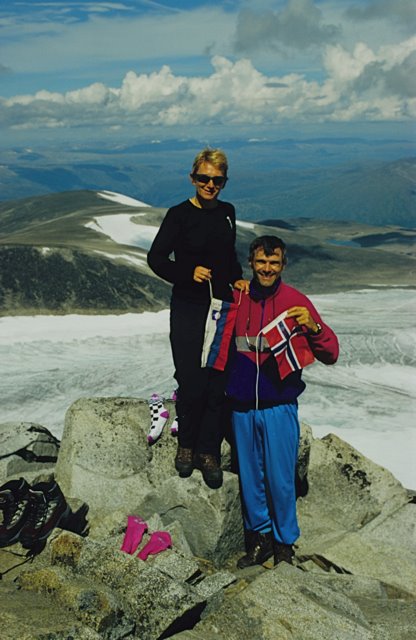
(219, 329)
(288, 343)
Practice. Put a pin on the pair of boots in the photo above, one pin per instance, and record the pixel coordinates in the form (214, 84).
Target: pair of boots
(186, 461)
(30, 513)
(136, 528)
(262, 546)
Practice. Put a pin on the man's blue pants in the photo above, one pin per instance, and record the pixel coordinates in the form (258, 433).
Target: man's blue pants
(267, 443)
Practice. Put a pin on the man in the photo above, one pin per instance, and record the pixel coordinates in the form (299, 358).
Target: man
(263, 386)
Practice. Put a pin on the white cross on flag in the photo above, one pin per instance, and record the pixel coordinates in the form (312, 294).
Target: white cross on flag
(288, 344)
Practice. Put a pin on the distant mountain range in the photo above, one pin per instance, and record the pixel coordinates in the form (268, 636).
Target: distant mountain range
(372, 182)
(375, 194)
(85, 252)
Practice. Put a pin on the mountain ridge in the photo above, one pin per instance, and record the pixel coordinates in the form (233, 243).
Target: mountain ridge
(58, 255)
(370, 181)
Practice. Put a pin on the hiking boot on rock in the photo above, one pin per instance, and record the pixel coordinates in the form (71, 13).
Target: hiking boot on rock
(259, 549)
(184, 462)
(47, 506)
(76, 521)
(14, 505)
(282, 552)
(210, 469)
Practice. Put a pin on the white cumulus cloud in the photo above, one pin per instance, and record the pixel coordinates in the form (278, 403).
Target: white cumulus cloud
(361, 83)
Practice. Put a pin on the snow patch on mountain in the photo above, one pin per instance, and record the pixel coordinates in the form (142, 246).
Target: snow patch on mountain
(123, 229)
(121, 199)
(136, 261)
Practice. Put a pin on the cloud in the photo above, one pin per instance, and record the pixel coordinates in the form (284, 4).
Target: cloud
(399, 11)
(104, 40)
(372, 85)
(399, 79)
(386, 72)
(298, 26)
(359, 85)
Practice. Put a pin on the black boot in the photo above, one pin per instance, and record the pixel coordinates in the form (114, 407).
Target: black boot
(14, 503)
(282, 552)
(184, 462)
(259, 549)
(48, 507)
(210, 469)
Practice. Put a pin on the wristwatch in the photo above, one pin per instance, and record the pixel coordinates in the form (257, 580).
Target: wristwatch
(316, 333)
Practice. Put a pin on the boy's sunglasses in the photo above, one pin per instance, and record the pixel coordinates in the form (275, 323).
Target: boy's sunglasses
(219, 181)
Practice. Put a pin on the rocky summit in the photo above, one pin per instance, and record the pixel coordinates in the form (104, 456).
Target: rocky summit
(354, 575)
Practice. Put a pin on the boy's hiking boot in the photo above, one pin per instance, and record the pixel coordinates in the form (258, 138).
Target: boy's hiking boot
(14, 505)
(184, 462)
(210, 469)
(259, 549)
(48, 507)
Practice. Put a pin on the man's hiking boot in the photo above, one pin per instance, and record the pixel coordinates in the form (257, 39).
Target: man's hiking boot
(48, 507)
(259, 549)
(14, 503)
(184, 462)
(210, 469)
(282, 552)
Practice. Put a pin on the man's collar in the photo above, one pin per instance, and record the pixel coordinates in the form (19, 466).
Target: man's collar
(258, 292)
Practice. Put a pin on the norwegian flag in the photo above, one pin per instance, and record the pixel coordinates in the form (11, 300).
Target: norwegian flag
(288, 344)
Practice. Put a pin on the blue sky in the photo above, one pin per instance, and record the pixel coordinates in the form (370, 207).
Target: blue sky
(108, 69)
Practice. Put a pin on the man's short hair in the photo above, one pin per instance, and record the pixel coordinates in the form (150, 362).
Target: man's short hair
(213, 156)
(268, 244)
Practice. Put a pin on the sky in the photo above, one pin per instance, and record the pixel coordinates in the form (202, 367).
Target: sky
(113, 69)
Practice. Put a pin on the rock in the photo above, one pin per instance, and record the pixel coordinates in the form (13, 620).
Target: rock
(390, 612)
(27, 615)
(346, 491)
(117, 594)
(27, 449)
(351, 514)
(179, 538)
(211, 520)
(287, 604)
(103, 460)
(355, 566)
(94, 605)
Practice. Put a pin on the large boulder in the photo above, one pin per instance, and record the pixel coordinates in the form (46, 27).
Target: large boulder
(104, 458)
(356, 517)
(106, 461)
(27, 449)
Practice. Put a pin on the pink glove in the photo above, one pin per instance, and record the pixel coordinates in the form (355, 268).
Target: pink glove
(136, 527)
(159, 541)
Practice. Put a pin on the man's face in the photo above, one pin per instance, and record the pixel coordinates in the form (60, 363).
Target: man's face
(267, 269)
